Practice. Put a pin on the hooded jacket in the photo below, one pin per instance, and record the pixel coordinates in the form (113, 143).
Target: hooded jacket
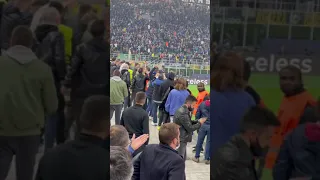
(166, 85)
(50, 49)
(118, 91)
(299, 154)
(27, 93)
(156, 96)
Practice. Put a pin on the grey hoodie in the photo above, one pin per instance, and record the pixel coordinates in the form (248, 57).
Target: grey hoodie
(21, 54)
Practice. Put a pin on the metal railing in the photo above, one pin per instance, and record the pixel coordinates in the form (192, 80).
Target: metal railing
(313, 5)
(270, 22)
(182, 67)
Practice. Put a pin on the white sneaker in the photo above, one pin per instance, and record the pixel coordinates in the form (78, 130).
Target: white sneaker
(154, 124)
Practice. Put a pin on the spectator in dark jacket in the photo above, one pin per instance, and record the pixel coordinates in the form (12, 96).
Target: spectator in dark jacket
(182, 117)
(156, 97)
(125, 76)
(88, 72)
(299, 156)
(236, 158)
(50, 49)
(87, 157)
(14, 13)
(163, 159)
(135, 119)
(153, 72)
(138, 83)
(203, 111)
(165, 89)
(149, 93)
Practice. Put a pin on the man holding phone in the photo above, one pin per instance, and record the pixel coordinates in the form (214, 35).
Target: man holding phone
(182, 118)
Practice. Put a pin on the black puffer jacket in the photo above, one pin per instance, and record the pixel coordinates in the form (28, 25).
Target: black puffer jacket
(182, 117)
(165, 89)
(125, 76)
(50, 49)
(90, 69)
(233, 161)
(11, 18)
(139, 83)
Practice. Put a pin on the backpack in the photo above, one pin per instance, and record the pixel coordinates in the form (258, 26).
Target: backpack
(125, 78)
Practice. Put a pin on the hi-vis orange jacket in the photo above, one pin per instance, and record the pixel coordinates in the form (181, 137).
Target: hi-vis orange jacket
(289, 115)
(200, 98)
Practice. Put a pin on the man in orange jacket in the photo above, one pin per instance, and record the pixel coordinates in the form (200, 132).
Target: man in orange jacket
(202, 93)
(297, 106)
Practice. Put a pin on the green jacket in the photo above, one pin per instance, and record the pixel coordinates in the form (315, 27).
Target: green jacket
(118, 90)
(27, 92)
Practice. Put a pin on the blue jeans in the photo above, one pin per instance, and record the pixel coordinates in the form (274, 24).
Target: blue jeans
(150, 106)
(155, 112)
(50, 131)
(203, 132)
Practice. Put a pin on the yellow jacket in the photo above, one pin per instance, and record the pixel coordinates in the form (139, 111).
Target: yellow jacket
(131, 74)
(68, 36)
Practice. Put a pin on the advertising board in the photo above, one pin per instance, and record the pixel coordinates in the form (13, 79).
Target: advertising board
(197, 78)
(273, 63)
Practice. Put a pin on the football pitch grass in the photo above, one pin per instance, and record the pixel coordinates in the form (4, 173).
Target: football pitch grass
(267, 85)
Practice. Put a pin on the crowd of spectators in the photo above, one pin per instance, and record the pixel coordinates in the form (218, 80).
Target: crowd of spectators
(160, 29)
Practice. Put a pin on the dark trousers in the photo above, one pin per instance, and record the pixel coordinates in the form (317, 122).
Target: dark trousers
(133, 97)
(116, 109)
(25, 148)
(54, 130)
(127, 101)
(73, 112)
(203, 132)
(164, 117)
(155, 111)
(149, 106)
(182, 150)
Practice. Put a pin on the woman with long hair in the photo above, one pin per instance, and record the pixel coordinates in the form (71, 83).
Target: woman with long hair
(177, 97)
(229, 99)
